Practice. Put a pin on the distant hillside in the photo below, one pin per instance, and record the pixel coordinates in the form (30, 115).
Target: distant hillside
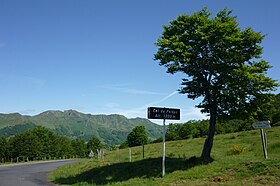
(111, 129)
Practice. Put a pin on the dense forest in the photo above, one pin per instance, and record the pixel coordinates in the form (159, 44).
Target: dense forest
(41, 144)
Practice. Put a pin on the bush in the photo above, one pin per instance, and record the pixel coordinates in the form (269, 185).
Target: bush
(235, 149)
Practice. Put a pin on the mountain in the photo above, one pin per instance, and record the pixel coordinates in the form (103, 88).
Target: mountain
(111, 129)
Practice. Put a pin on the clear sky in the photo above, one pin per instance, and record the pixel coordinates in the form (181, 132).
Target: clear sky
(96, 56)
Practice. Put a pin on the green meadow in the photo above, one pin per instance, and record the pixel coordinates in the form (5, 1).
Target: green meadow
(237, 160)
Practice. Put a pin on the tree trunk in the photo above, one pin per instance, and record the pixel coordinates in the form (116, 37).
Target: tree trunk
(208, 144)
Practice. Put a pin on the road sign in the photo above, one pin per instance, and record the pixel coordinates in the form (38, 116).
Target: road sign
(91, 154)
(261, 125)
(163, 113)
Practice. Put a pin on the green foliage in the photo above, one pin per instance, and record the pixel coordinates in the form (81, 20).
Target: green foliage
(94, 144)
(219, 60)
(40, 143)
(29, 144)
(276, 115)
(172, 132)
(262, 107)
(123, 145)
(217, 57)
(199, 128)
(62, 147)
(137, 136)
(235, 149)
(187, 130)
(3, 147)
(276, 119)
(79, 148)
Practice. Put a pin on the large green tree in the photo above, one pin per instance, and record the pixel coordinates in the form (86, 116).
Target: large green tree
(94, 144)
(222, 63)
(137, 136)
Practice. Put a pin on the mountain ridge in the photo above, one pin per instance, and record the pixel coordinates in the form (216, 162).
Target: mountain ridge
(111, 129)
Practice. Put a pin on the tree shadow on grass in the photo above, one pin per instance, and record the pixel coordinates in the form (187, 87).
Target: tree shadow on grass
(147, 168)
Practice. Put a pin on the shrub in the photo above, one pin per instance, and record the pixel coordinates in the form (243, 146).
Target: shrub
(235, 149)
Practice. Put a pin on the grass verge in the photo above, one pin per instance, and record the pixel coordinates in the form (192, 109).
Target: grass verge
(237, 160)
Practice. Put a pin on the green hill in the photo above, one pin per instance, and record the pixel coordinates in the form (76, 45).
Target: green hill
(111, 129)
(238, 160)
(12, 119)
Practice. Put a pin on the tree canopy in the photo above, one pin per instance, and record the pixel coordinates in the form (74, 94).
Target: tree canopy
(221, 61)
(94, 144)
(137, 136)
(40, 143)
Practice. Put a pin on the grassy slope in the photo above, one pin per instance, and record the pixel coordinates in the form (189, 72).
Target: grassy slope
(247, 168)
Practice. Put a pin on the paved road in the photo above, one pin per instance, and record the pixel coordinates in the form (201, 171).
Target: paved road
(32, 174)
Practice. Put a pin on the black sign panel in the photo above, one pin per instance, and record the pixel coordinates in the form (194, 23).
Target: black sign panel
(163, 113)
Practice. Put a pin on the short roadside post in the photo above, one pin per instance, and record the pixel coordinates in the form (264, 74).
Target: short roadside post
(129, 154)
(91, 154)
(163, 113)
(261, 125)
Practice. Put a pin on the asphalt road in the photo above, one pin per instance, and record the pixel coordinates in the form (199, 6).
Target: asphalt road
(32, 174)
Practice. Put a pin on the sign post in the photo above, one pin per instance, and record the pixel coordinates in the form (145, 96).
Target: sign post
(163, 113)
(261, 125)
(163, 149)
(264, 144)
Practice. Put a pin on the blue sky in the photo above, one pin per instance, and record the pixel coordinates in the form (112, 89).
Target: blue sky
(96, 56)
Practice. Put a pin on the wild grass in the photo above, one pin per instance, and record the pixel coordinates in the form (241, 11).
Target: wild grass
(183, 167)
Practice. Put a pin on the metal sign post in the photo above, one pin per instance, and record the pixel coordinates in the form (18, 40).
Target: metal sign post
(261, 125)
(163, 149)
(163, 113)
(263, 144)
